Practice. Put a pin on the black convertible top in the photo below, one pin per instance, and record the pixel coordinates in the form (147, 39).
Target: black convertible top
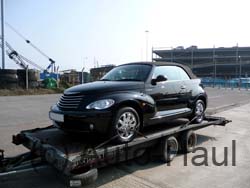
(186, 68)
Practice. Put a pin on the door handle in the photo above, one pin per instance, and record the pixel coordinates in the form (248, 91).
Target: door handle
(183, 87)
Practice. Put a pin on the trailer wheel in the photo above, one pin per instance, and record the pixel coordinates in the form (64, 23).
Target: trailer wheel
(169, 149)
(80, 180)
(125, 125)
(188, 141)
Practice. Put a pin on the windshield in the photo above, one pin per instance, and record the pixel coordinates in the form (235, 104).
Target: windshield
(133, 72)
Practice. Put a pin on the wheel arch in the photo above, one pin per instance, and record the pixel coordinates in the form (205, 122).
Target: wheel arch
(203, 98)
(192, 102)
(135, 105)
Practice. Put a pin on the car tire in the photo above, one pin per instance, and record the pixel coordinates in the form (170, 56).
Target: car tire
(188, 141)
(79, 180)
(198, 113)
(125, 125)
(169, 149)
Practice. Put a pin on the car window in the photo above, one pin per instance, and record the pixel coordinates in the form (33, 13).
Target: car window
(183, 74)
(171, 72)
(129, 72)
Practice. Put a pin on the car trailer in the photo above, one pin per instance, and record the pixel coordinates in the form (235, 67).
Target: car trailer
(77, 158)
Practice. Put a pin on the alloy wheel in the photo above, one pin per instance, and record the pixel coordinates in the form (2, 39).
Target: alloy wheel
(199, 112)
(127, 125)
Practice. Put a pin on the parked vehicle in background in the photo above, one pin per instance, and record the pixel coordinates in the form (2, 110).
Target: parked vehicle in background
(129, 98)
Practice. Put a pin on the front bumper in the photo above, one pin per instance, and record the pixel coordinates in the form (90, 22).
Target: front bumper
(78, 121)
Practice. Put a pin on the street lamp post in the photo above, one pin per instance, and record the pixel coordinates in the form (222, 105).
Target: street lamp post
(27, 77)
(83, 75)
(215, 67)
(192, 58)
(2, 33)
(172, 54)
(83, 69)
(237, 57)
(240, 73)
(240, 67)
(146, 44)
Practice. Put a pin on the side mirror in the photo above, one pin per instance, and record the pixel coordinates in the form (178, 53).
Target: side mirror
(159, 78)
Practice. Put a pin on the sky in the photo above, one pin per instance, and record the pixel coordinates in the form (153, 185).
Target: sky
(79, 33)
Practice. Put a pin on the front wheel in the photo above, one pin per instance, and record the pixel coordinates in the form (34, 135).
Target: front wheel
(126, 124)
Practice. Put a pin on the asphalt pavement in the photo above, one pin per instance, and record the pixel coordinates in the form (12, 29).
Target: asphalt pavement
(26, 112)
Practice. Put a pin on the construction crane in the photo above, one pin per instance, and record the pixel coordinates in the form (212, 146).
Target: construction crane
(22, 61)
(12, 54)
(19, 59)
(52, 62)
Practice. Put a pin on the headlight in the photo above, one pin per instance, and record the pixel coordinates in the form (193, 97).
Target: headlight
(101, 104)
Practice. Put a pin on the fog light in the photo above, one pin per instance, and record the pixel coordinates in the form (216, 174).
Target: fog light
(91, 127)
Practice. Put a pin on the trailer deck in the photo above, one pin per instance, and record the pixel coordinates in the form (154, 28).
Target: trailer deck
(75, 155)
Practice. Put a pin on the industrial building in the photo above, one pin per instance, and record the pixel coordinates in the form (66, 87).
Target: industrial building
(99, 72)
(74, 77)
(223, 62)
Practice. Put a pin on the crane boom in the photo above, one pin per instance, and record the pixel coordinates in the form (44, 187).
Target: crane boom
(20, 59)
(52, 62)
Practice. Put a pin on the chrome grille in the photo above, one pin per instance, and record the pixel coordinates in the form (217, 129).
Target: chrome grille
(69, 102)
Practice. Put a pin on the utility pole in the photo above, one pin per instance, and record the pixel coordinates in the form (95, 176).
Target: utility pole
(2, 33)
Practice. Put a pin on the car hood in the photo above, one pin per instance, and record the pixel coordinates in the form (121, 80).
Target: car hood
(100, 87)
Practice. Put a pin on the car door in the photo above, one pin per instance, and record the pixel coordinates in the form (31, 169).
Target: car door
(164, 93)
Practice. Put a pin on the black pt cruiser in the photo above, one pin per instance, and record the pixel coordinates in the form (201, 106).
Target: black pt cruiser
(130, 97)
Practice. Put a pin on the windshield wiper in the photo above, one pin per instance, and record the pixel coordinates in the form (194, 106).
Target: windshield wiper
(128, 79)
(105, 79)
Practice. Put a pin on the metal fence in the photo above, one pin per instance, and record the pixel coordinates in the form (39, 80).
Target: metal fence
(243, 83)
